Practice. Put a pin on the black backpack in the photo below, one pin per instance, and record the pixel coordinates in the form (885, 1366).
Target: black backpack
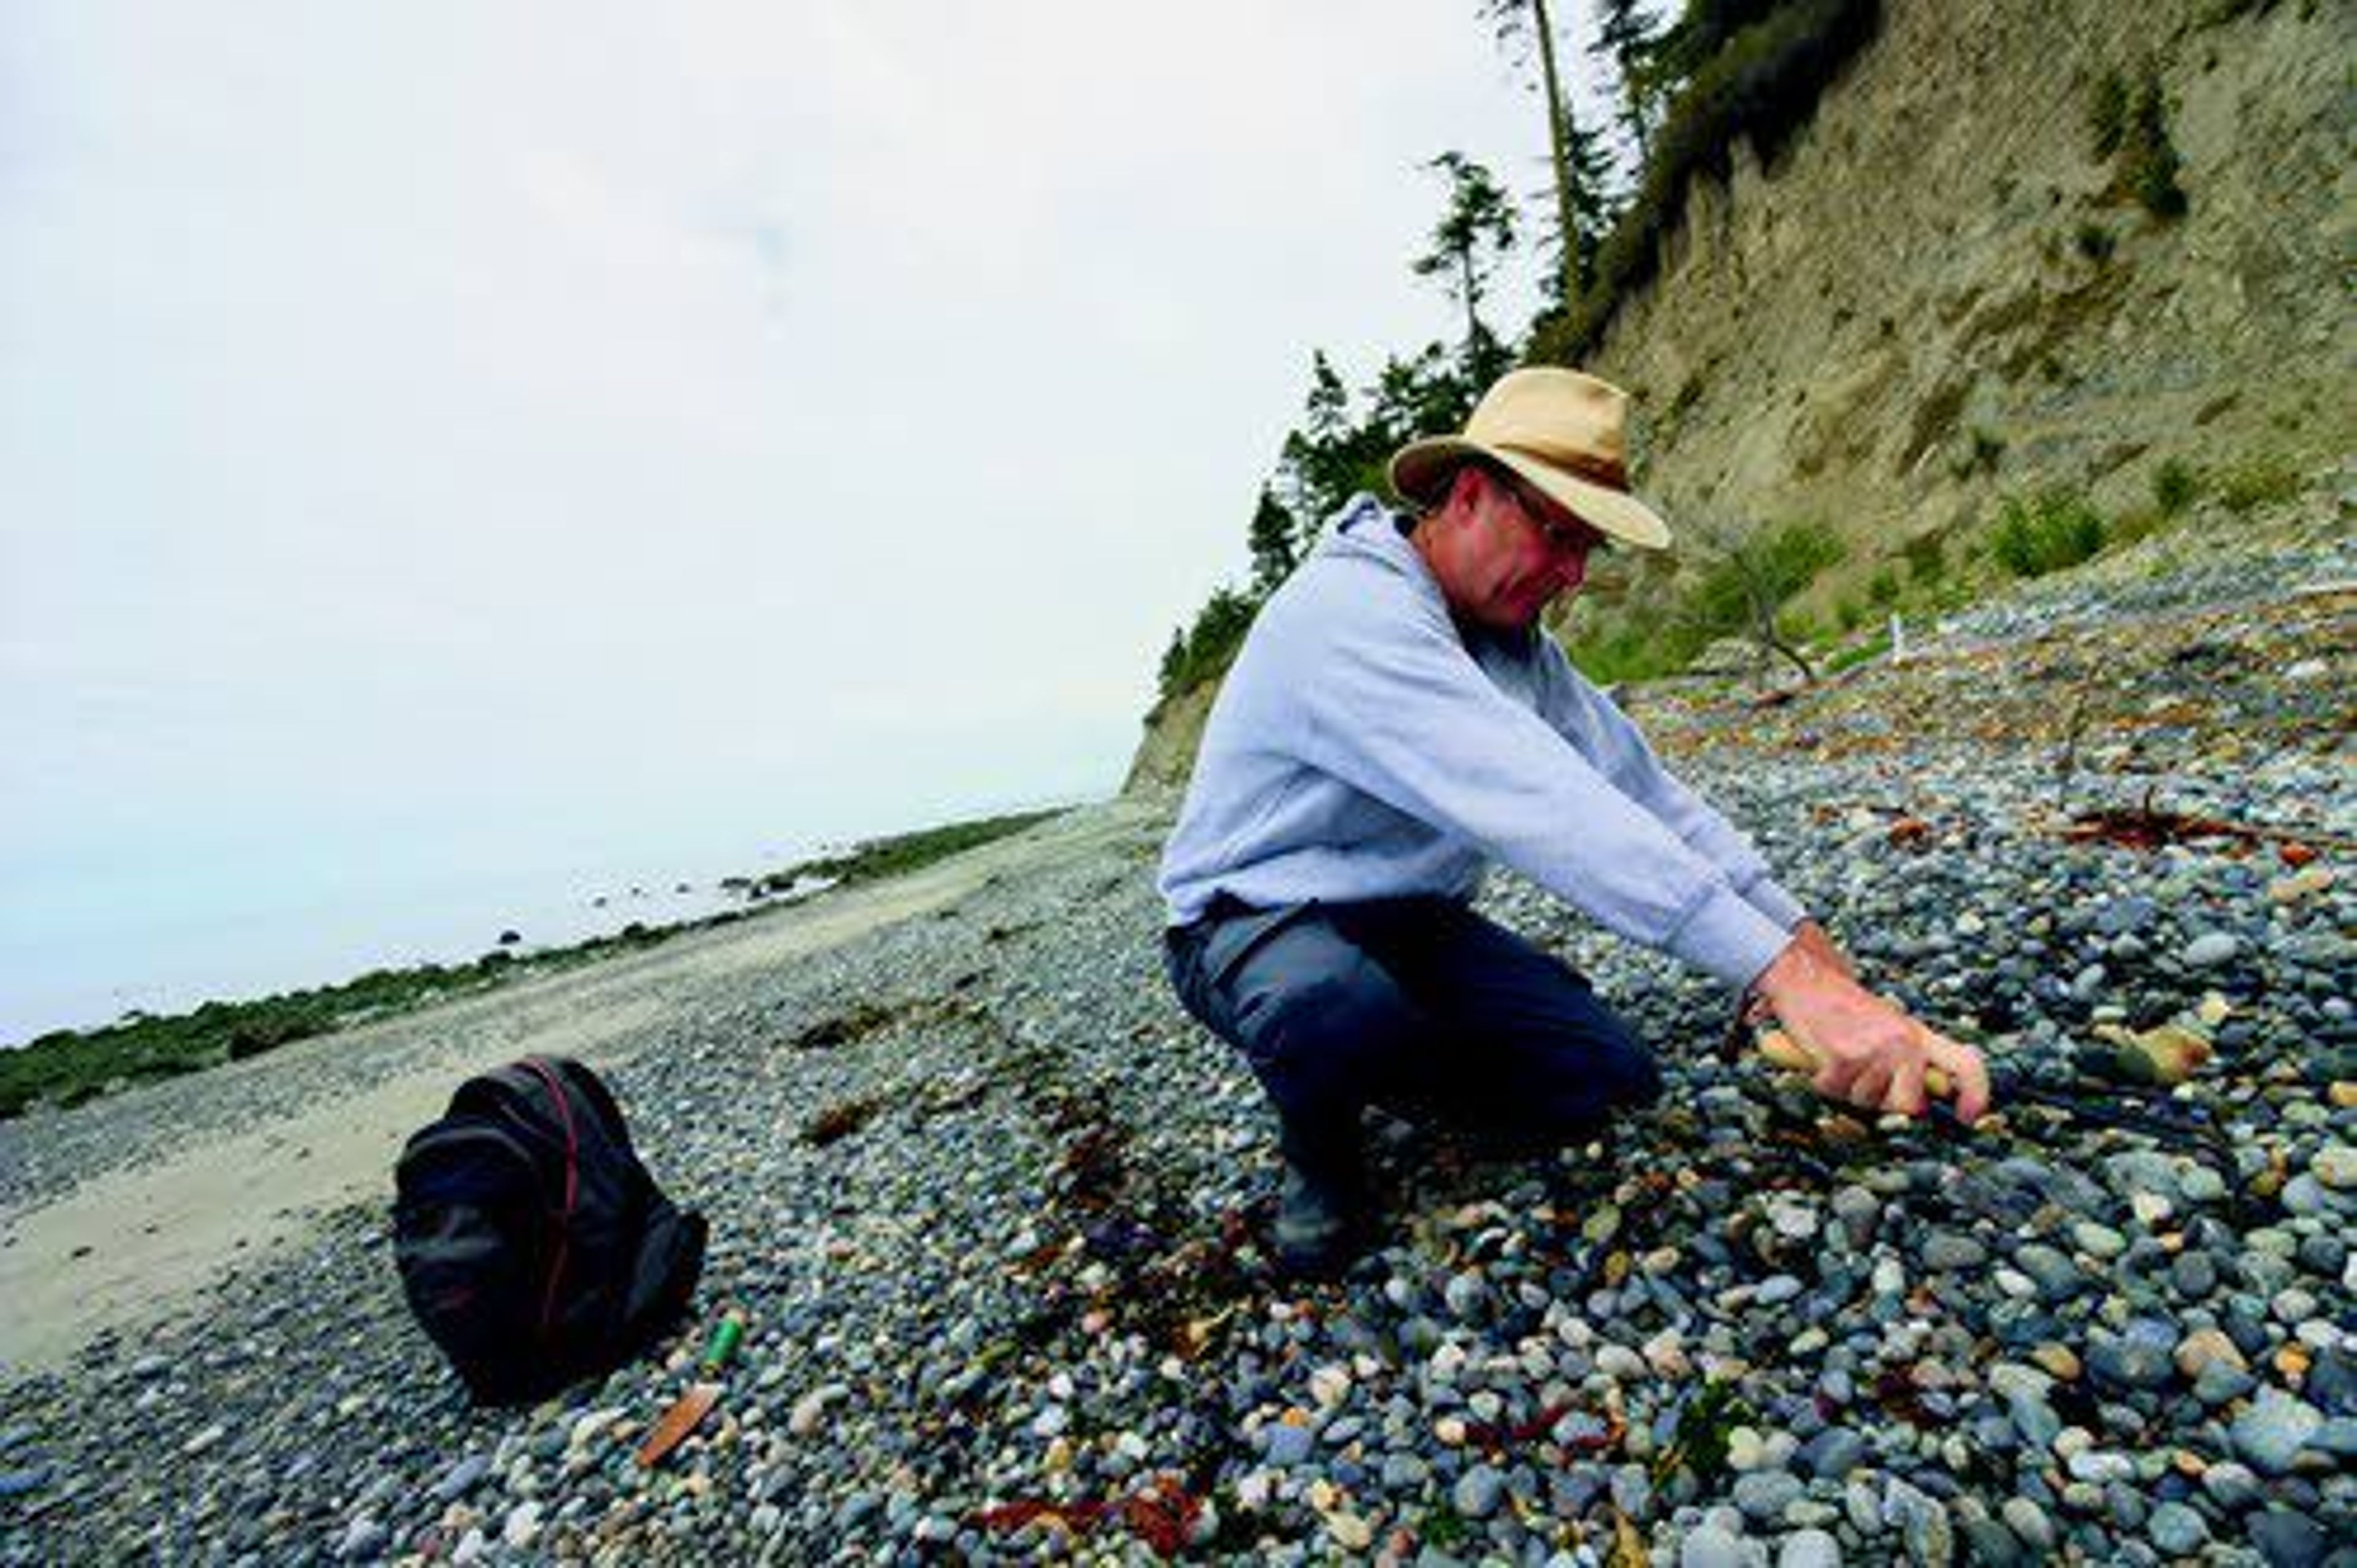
(533, 1246)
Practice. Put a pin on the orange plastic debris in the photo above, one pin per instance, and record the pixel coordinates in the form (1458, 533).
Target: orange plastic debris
(685, 1415)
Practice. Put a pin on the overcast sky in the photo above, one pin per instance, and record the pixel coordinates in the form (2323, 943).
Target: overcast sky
(452, 438)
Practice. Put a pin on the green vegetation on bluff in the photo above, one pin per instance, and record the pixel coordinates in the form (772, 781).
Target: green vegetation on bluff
(871, 860)
(68, 1067)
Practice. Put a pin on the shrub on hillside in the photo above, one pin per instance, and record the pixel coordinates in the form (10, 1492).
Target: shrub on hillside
(2107, 113)
(1927, 558)
(2259, 481)
(2055, 528)
(2148, 159)
(2174, 484)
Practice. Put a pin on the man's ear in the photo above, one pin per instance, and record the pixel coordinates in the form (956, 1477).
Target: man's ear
(1465, 486)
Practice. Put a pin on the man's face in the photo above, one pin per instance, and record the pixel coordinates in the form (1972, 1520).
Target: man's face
(1502, 552)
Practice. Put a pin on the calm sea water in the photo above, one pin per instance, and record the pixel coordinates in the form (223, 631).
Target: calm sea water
(74, 962)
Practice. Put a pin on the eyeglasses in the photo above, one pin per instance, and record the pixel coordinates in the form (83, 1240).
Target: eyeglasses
(1574, 538)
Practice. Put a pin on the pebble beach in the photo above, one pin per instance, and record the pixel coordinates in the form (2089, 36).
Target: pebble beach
(988, 1203)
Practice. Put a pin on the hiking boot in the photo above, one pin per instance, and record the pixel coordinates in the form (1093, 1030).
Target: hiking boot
(1320, 1230)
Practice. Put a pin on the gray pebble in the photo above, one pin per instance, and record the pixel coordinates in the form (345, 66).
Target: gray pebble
(1947, 1252)
(1289, 1445)
(1764, 1495)
(1809, 1548)
(2209, 949)
(1833, 1452)
(1478, 1492)
(2272, 1431)
(1710, 1546)
(2288, 1539)
(2176, 1531)
(18, 1483)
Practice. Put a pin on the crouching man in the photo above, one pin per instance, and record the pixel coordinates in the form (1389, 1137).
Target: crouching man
(1397, 718)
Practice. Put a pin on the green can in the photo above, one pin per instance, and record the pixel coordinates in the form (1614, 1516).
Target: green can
(727, 1334)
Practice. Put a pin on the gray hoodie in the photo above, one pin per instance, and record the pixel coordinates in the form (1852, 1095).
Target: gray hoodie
(1365, 746)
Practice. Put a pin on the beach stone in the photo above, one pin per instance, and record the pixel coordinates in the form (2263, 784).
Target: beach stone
(2337, 1436)
(2176, 1531)
(2287, 1539)
(2323, 1255)
(1712, 1546)
(2201, 1185)
(2221, 1382)
(1764, 1495)
(1833, 1452)
(1351, 1531)
(1466, 1294)
(2035, 1419)
(364, 1538)
(2141, 1357)
(1478, 1492)
(1620, 1364)
(2210, 949)
(2204, 1346)
(2099, 1242)
(1923, 1523)
(2051, 1269)
(812, 1408)
(2270, 1434)
(2193, 1272)
(2058, 1360)
(461, 1479)
(2335, 1165)
(522, 1525)
(1289, 1445)
(1989, 1544)
(1793, 1221)
(2028, 1523)
(2230, 1486)
(1809, 1548)
(1947, 1252)
(1859, 1212)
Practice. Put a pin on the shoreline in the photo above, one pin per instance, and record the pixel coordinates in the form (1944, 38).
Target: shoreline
(68, 1067)
(140, 1235)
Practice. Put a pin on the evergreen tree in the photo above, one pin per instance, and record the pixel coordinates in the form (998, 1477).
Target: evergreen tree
(1330, 458)
(1591, 179)
(1524, 26)
(1174, 664)
(1701, 31)
(1626, 38)
(1469, 243)
(1273, 538)
(1415, 397)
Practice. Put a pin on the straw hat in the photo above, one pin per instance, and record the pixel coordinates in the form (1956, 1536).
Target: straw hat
(1563, 431)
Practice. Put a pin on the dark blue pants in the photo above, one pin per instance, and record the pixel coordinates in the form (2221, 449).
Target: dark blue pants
(1417, 1006)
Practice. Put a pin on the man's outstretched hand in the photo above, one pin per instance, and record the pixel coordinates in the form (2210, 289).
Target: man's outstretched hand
(1869, 1053)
